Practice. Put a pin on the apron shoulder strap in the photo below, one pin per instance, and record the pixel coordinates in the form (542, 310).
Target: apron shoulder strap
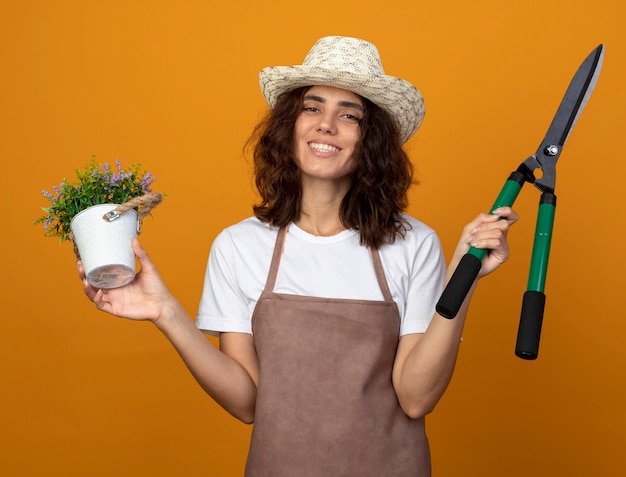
(278, 251)
(380, 274)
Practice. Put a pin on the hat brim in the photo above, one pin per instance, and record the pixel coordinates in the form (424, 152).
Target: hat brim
(398, 97)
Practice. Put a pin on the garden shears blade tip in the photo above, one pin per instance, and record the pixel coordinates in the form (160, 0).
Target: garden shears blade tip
(596, 58)
(572, 104)
(575, 99)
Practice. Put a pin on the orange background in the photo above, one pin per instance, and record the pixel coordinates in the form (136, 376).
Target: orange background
(173, 85)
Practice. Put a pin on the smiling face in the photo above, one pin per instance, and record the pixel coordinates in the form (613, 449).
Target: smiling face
(326, 133)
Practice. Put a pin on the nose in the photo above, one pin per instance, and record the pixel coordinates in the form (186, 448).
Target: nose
(327, 124)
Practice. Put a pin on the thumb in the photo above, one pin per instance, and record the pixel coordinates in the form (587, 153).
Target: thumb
(142, 255)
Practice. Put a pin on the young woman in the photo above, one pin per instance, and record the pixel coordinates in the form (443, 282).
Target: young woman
(324, 300)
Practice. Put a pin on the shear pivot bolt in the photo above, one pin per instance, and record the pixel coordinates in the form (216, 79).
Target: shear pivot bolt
(552, 150)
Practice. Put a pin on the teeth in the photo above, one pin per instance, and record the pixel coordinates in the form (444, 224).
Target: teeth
(323, 147)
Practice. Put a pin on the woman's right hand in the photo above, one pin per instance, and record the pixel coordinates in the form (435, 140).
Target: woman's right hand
(145, 298)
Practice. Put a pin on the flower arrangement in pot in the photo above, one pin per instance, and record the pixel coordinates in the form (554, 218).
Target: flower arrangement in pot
(101, 214)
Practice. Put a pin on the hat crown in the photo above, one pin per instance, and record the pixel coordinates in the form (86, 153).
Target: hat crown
(350, 55)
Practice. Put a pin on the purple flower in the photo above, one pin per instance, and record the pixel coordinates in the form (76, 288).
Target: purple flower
(119, 165)
(147, 180)
(47, 194)
(118, 178)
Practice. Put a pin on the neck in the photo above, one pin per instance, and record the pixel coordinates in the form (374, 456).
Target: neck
(319, 225)
(320, 208)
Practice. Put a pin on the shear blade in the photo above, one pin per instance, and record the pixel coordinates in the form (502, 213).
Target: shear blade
(575, 99)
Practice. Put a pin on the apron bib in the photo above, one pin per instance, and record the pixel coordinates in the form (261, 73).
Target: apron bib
(325, 405)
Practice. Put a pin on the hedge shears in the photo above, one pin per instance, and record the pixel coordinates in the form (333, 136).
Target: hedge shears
(533, 304)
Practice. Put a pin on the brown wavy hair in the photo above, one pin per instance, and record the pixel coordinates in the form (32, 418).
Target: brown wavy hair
(373, 206)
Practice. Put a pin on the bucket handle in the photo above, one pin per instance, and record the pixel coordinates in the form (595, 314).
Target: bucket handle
(144, 204)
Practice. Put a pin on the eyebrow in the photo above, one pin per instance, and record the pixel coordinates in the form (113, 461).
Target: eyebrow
(345, 104)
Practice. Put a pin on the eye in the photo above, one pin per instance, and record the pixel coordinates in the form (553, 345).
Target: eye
(351, 117)
(310, 109)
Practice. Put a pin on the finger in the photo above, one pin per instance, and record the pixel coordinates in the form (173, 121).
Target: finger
(506, 213)
(489, 239)
(89, 290)
(142, 255)
(473, 227)
(81, 269)
(481, 219)
(500, 222)
(100, 300)
(485, 231)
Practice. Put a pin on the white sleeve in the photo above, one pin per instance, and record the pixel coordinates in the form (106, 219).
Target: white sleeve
(223, 305)
(425, 286)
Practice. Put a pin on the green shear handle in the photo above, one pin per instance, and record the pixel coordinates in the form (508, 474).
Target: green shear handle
(529, 331)
(466, 272)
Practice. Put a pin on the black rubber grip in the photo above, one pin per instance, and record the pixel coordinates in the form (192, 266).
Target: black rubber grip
(456, 290)
(529, 332)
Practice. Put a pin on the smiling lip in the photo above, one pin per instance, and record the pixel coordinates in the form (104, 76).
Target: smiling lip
(319, 147)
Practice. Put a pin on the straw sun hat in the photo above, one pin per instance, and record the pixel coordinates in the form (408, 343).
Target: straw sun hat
(354, 65)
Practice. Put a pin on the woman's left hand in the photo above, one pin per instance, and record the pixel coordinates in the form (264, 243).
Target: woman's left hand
(488, 231)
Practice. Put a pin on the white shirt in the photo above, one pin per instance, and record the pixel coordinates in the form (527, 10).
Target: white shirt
(330, 267)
